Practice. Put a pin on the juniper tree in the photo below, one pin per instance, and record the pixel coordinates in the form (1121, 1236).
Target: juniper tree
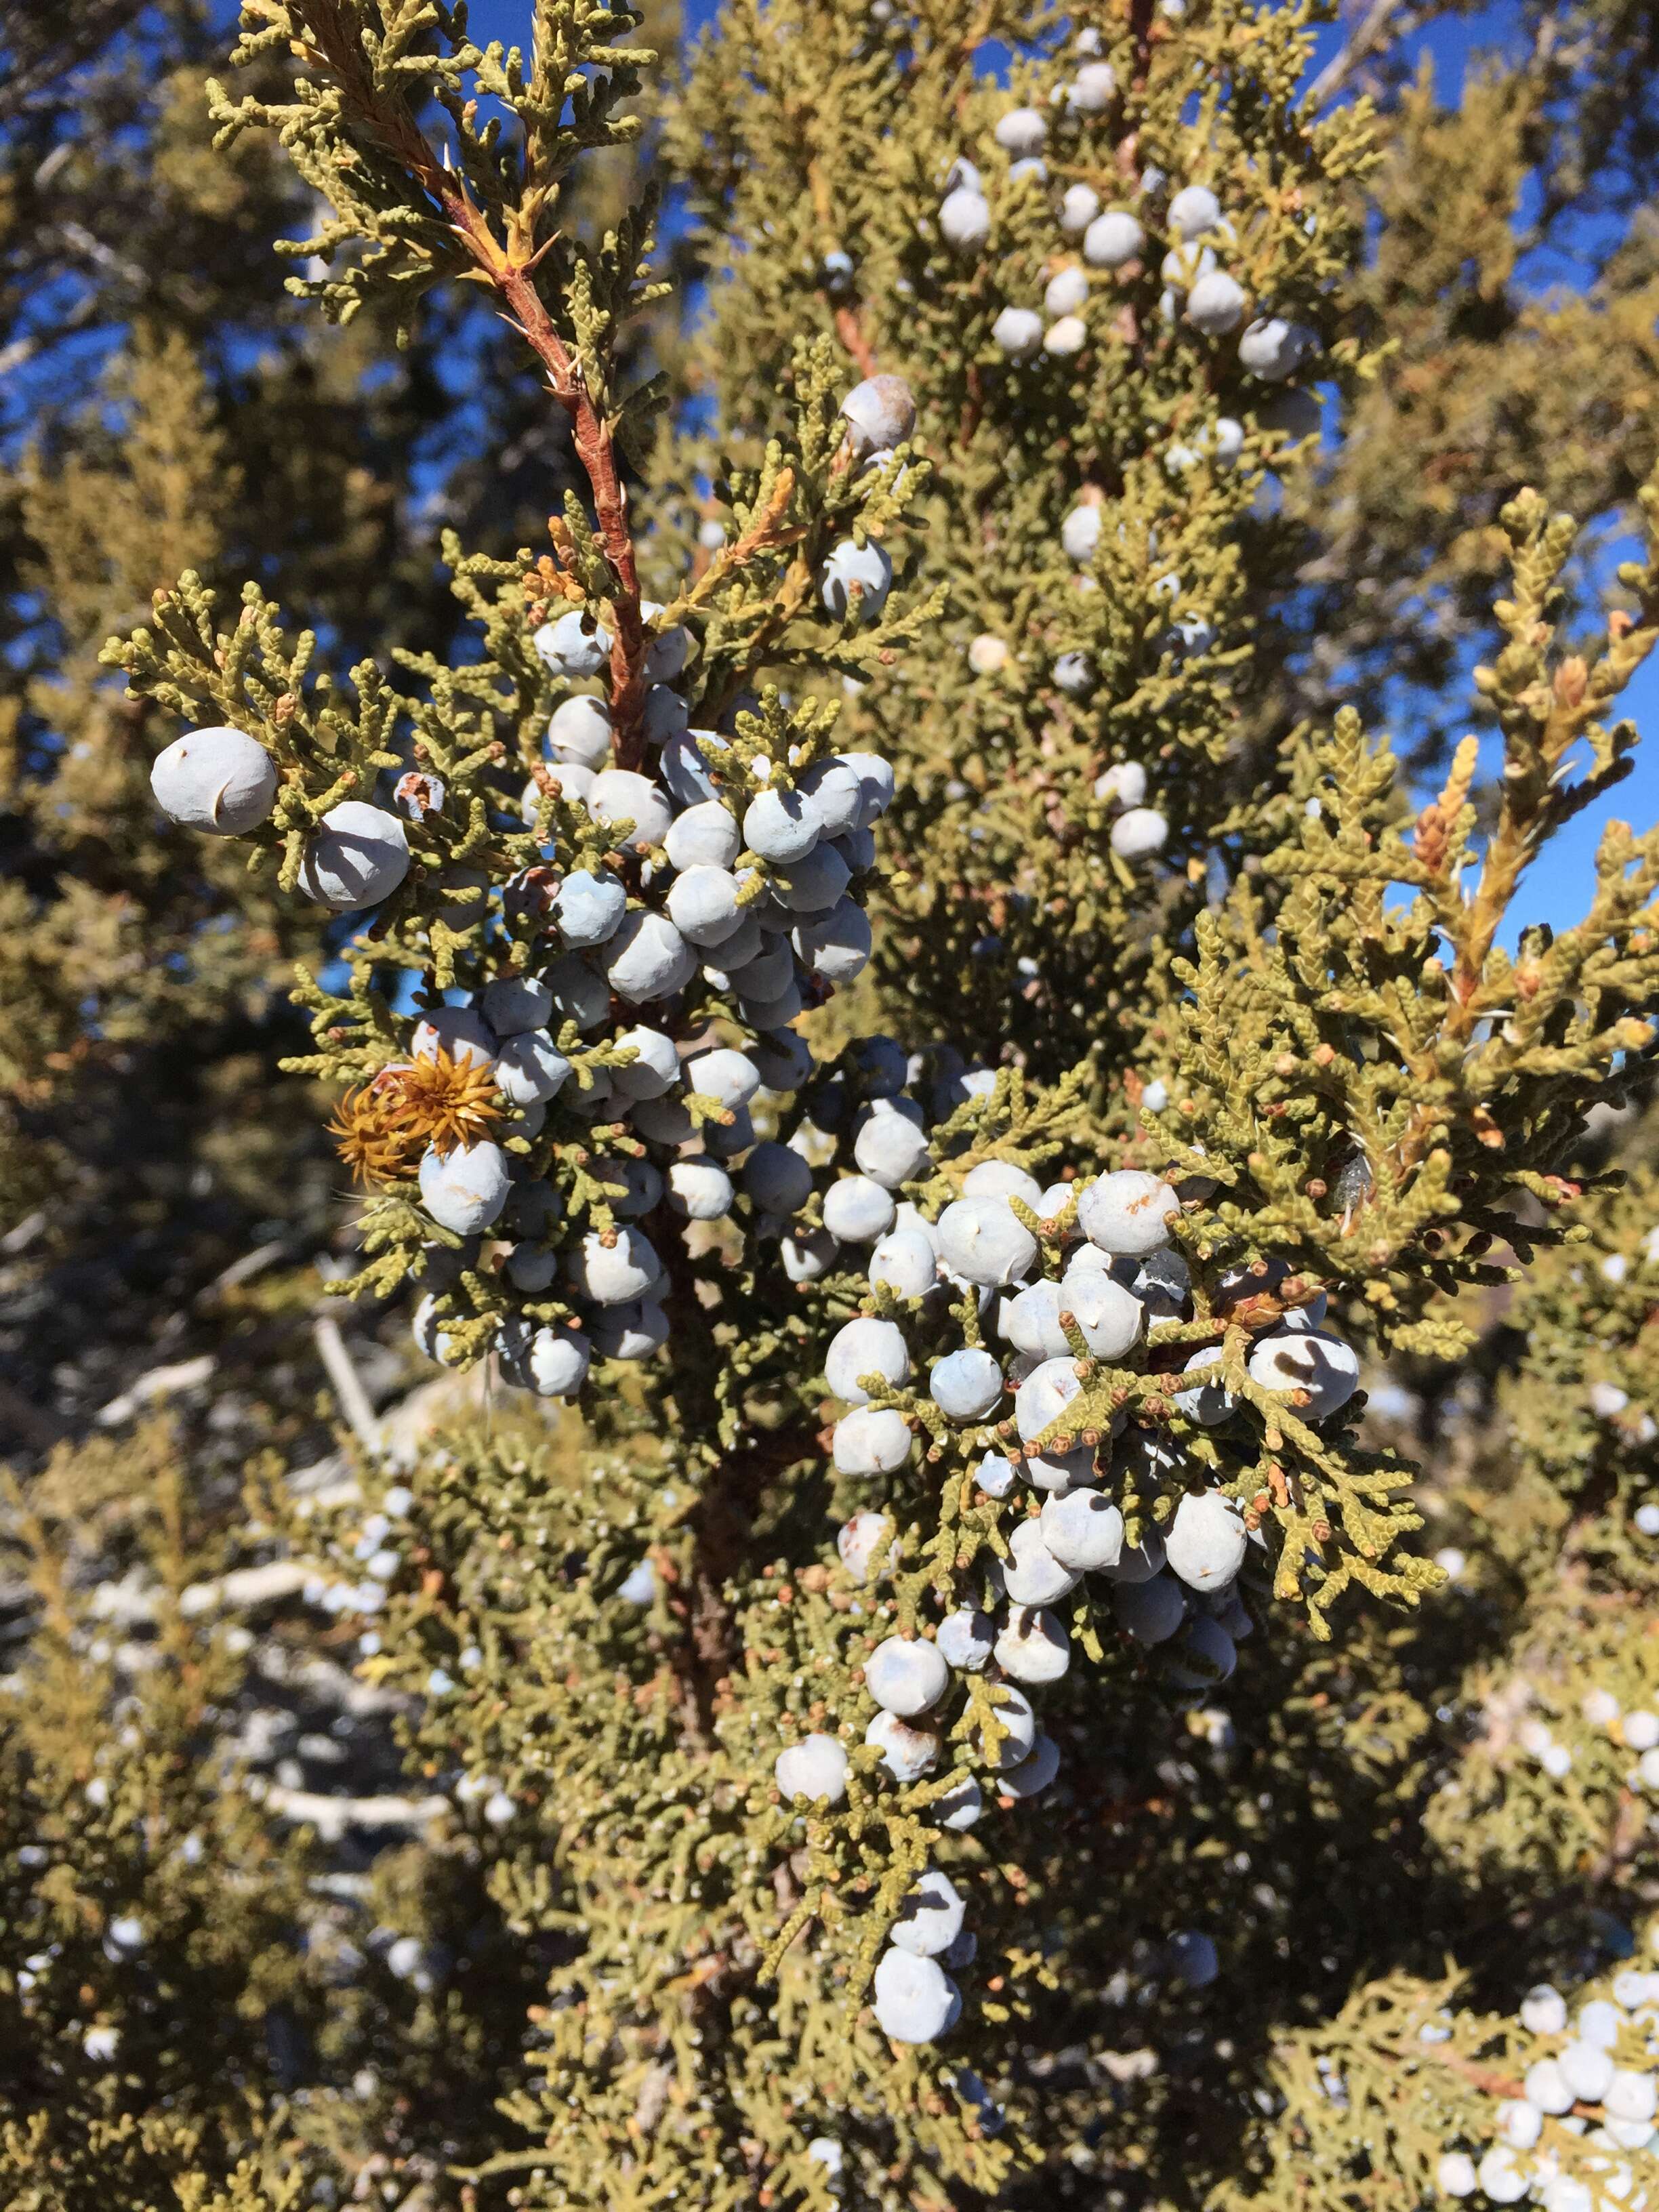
(953, 1418)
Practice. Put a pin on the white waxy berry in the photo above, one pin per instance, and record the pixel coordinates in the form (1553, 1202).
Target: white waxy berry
(1194, 210)
(980, 1238)
(574, 645)
(1111, 239)
(1018, 331)
(646, 959)
(1031, 1574)
(891, 1150)
(777, 1179)
(1066, 292)
(871, 1440)
(905, 1261)
(907, 1753)
(1151, 1611)
(1033, 1773)
(685, 765)
(1074, 675)
(1193, 1958)
(1082, 1529)
(1139, 1563)
(357, 855)
(781, 826)
(853, 568)
(1042, 1399)
(461, 1031)
(699, 1189)
(1139, 833)
(965, 1638)
(1022, 130)
(1455, 2175)
(863, 1542)
(816, 883)
(634, 1185)
(835, 946)
(1546, 2088)
(1033, 1647)
(220, 780)
(530, 1068)
(784, 1061)
(1129, 1212)
(612, 1274)
(724, 1074)
(1092, 90)
(986, 655)
(702, 905)
(1002, 1179)
(1273, 349)
(906, 1675)
(1587, 2070)
(915, 2000)
(966, 1384)
(837, 792)
(589, 908)
(1629, 2096)
(554, 1364)
(808, 1254)
(1215, 303)
(1110, 1316)
(1209, 1402)
(965, 219)
(857, 1210)
(879, 413)
(876, 783)
(705, 836)
(1205, 1545)
(1079, 534)
(1307, 1359)
(620, 795)
(465, 1190)
(1124, 784)
(1016, 1728)
(668, 649)
(959, 1807)
(1080, 205)
(580, 731)
(865, 1346)
(655, 1068)
(513, 1003)
(1066, 337)
(930, 1915)
(815, 1767)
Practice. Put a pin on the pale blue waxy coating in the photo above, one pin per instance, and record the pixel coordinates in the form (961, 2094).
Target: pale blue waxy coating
(580, 731)
(1323, 1366)
(685, 767)
(726, 1074)
(646, 959)
(965, 1638)
(1194, 210)
(1043, 1397)
(1030, 1574)
(633, 1187)
(965, 218)
(865, 1346)
(906, 1751)
(1151, 1611)
(1206, 1540)
(915, 2000)
(965, 1385)
(466, 1189)
(906, 1675)
(1022, 130)
(814, 1768)
(871, 1440)
(1074, 674)
(807, 1254)
(834, 788)
(357, 855)
(982, 1241)
(1016, 1726)
(1273, 349)
(1082, 1529)
(220, 781)
(589, 908)
(699, 1189)
(1033, 1647)
(1215, 303)
(959, 1807)
(613, 1274)
(706, 836)
(905, 1261)
(1034, 1772)
(633, 1331)
(461, 1031)
(513, 1003)
(1205, 1655)
(702, 905)
(857, 1210)
(777, 1179)
(574, 645)
(816, 882)
(835, 946)
(781, 826)
(1079, 204)
(530, 1067)
(654, 1068)
(875, 777)
(554, 1364)
(619, 795)
(1127, 1213)
(1018, 331)
(891, 1150)
(1079, 534)
(880, 411)
(864, 566)
(1207, 1403)
(930, 1915)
